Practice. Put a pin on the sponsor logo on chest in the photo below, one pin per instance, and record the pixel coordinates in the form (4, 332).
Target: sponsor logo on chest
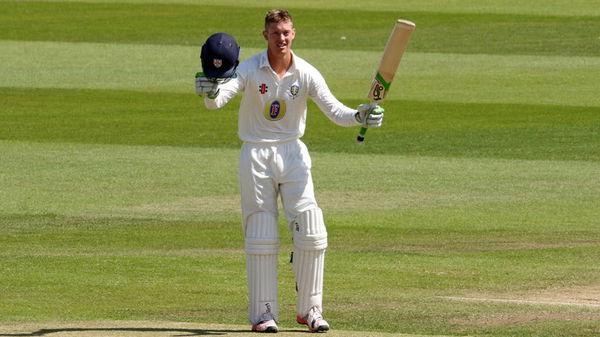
(274, 110)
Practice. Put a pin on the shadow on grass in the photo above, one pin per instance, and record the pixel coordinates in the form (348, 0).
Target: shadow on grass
(184, 332)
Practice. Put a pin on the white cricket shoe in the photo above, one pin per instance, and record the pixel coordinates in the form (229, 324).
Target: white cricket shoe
(267, 324)
(314, 320)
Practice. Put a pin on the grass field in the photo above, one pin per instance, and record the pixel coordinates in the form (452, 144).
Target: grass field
(472, 212)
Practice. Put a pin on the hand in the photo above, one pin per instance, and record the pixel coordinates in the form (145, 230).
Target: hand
(370, 116)
(207, 86)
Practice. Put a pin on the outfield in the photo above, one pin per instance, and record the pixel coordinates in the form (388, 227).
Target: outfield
(472, 212)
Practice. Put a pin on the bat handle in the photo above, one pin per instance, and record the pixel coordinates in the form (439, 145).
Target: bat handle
(363, 130)
(361, 135)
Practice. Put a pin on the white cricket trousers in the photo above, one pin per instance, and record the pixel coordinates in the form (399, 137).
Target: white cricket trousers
(267, 172)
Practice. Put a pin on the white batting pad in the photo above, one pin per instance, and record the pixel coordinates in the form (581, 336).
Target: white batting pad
(310, 242)
(262, 246)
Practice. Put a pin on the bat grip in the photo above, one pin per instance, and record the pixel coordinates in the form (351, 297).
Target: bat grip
(363, 130)
(361, 135)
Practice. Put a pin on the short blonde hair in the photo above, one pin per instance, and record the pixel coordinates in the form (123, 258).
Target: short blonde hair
(277, 16)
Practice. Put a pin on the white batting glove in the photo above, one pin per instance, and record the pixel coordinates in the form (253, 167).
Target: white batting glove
(205, 86)
(369, 116)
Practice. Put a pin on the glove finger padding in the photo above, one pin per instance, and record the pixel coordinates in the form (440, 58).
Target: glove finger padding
(206, 86)
(375, 117)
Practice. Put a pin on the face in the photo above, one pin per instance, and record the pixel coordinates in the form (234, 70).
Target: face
(279, 37)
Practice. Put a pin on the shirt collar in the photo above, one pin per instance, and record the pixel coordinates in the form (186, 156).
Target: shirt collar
(264, 61)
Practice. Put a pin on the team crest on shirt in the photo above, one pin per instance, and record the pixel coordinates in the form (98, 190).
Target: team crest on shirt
(294, 91)
(217, 63)
(275, 110)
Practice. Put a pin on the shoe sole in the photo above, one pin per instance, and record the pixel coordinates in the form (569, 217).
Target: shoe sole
(268, 330)
(318, 329)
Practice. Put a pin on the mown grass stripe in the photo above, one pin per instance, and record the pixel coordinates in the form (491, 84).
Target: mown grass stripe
(536, 7)
(190, 25)
(517, 79)
(412, 127)
(120, 185)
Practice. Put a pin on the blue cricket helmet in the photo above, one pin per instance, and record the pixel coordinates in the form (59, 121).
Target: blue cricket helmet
(220, 56)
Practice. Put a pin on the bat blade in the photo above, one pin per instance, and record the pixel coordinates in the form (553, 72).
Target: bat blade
(392, 54)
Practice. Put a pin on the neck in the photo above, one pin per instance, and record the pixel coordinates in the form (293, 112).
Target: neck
(280, 63)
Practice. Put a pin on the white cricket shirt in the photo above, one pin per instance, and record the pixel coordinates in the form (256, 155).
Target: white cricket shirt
(274, 109)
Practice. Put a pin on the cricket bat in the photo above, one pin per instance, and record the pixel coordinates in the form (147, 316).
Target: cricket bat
(392, 54)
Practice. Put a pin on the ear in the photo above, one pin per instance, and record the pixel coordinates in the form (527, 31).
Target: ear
(265, 34)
